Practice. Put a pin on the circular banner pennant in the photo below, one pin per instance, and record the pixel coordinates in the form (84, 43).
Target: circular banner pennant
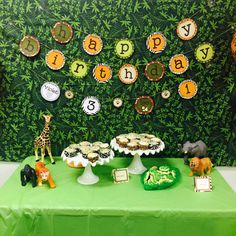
(187, 29)
(156, 42)
(178, 64)
(62, 32)
(204, 52)
(233, 46)
(154, 70)
(117, 102)
(188, 89)
(144, 105)
(92, 44)
(50, 91)
(91, 105)
(79, 68)
(29, 46)
(128, 74)
(69, 94)
(102, 73)
(124, 48)
(165, 94)
(55, 59)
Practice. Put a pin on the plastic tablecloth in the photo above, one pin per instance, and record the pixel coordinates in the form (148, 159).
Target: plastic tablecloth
(116, 209)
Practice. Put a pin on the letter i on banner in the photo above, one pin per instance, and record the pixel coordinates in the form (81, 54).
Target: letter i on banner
(55, 59)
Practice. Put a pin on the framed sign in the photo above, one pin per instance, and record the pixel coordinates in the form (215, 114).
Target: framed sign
(202, 184)
(120, 175)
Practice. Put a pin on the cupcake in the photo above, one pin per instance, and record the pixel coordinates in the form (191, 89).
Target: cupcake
(70, 152)
(95, 148)
(92, 157)
(143, 145)
(98, 143)
(157, 140)
(85, 143)
(85, 151)
(120, 137)
(132, 136)
(132, 146)
(75, 146)
(150, 136)
(104, 145)
(153, 145)
(104, 153)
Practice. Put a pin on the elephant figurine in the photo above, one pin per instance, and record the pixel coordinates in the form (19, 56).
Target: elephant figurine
(196, 149)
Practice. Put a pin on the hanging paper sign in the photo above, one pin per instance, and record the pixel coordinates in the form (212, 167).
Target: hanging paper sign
(79, 68)
(29, 46)
(154, 70)
(102, 73)
(55, 59)
(62, 32)
(233, 46)
(188, 89)
(165, 94)
(69, 94)
(124, 48)
(50, 91)
(117, 102)
(91, 105)
(187, 29)
(178, 64)
(144, 105)
(156, 42)
(204, 52)
(128, 74)
(92, 44)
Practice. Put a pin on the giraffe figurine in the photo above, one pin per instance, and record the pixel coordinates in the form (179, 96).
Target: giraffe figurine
(43, 141)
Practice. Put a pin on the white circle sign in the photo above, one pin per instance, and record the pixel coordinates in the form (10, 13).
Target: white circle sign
(50, 91)
(91, 105)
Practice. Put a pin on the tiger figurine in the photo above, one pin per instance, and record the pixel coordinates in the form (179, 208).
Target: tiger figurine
(44, 175)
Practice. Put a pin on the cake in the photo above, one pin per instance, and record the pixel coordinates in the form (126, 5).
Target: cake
(92, 157)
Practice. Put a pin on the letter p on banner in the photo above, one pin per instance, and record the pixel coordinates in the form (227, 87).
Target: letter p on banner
(124, 48)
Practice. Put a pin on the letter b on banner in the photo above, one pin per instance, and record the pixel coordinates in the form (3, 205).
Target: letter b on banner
(29, 46)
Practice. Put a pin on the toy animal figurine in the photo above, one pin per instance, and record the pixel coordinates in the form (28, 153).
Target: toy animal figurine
(201, 166)
(28, 174)
(197, 149)
(43, 141)
(44, 175)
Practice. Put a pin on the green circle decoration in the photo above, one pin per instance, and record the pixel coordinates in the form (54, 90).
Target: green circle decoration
(204, 52)
(124, 48)
(154, 70)
(79, 69)
(29, 46)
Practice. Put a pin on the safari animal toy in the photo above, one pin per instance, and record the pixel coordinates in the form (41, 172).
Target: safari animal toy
(200, 166)
(28, 174)
(44, 175)
(196, 149)
(43, 141)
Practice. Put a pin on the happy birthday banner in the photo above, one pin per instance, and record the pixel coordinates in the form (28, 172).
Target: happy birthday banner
(93, 44)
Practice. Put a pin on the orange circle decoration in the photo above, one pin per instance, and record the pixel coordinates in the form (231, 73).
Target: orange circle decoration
(55, 59)
(144, 105)
(188, 89)
(29, 46)
(92, 44)
(156, 42)
(128, 74)
(102, 73)
(154, 70)
(62, 32)
(187, 29)
(178, 64)
(233, 46)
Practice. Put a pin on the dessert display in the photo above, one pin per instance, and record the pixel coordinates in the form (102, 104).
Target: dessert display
(160, 178)
(137, 145)
(86, 154)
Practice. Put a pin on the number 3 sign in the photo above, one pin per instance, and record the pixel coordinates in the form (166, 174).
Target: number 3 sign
(91, 105)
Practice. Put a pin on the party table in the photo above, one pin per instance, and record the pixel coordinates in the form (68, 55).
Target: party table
(116, 209)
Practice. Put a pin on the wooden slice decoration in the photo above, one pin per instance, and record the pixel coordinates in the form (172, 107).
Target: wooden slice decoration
(144, 105)
(188, 89)
(29, 46)
(62, 32)
(187, 29)
(154, 70)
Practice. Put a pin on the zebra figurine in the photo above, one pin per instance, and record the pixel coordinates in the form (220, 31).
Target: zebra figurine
(43, 141)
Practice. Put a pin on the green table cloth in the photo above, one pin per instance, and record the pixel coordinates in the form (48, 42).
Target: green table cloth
(116, 209)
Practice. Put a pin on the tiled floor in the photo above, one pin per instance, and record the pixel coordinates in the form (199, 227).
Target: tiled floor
(7, 169)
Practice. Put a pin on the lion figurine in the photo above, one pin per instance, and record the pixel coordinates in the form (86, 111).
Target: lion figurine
(44, 175)
(201, 166)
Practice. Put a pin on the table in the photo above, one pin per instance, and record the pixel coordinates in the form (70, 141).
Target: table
(116, 209)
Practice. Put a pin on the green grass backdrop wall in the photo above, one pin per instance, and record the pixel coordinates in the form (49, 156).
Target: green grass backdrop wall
(209, 116)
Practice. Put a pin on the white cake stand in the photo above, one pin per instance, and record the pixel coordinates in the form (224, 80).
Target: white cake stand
(136, 166)
(88, 177)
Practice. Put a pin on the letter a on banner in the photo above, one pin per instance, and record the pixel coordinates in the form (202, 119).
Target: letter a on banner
(186, 29)
(178, 64)
(92, 44)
